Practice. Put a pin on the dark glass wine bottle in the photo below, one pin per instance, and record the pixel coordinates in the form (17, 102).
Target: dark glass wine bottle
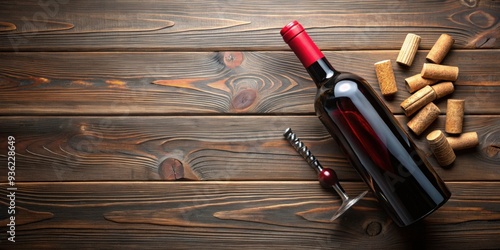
(384, 155)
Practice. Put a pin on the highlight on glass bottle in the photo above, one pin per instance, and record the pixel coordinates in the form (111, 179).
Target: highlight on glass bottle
(327, 177)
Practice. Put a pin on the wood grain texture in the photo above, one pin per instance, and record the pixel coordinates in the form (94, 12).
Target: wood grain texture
(200, 25)
(6, 26)
(200, 83)
(251, 215)
(158, 124)
(208, 147)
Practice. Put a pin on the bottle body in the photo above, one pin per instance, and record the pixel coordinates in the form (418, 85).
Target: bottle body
(374, 142)
(378, 148)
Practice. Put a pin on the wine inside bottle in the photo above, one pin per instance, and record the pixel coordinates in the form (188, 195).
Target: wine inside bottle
(384, 155)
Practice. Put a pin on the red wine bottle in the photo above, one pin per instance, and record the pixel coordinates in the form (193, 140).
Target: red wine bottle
(376, 145)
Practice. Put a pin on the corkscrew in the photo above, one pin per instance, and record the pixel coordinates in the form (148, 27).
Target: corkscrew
(327, 177)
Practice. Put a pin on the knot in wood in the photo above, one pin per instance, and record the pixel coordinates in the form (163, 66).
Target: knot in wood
(374, 228)
(482, 19)
(39, 80)
(492, 150)
(233, 59)
(6, 26)
(469, 3)
(244, 99)
(171, 169)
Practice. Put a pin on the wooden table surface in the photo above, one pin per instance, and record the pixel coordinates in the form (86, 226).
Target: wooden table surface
(158, 124)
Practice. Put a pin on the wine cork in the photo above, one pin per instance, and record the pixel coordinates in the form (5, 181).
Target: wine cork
(454, 116)
(443, 89)
(440, 48)
(408, 49)
(426, 95)
(439, 72)
(416, 82)
(419, 99)
(424, 118)
(441, 148)
(386, 79)
(464, 141)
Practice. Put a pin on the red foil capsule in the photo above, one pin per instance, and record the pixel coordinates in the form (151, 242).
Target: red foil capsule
(300, 42)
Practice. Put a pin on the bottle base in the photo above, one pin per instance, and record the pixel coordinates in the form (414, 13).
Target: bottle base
(421, 218)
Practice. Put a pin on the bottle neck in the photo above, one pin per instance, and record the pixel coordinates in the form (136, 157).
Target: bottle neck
(308, 53)
(321, 71)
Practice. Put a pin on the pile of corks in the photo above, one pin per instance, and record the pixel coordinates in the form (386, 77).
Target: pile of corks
(434, 82)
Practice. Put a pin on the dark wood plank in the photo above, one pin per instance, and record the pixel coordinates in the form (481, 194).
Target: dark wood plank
(208, 147)
(248, 25)
(251, 215)
(229, 82)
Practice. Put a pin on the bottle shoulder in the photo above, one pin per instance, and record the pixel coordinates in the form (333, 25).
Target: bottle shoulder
(330, 84)
(346, 76)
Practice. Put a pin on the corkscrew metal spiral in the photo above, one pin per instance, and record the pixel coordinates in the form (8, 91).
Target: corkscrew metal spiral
(302, 149)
